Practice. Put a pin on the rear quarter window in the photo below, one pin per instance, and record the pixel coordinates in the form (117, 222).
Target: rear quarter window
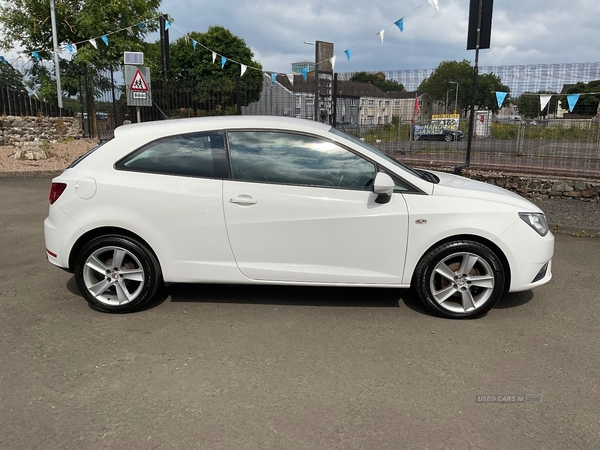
(193, 155)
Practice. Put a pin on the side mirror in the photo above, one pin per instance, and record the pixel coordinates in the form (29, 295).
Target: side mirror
(383, 186)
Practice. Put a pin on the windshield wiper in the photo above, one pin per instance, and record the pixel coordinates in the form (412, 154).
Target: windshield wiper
(428, 176)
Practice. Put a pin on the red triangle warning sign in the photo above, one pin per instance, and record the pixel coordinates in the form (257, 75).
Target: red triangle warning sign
(138, 83)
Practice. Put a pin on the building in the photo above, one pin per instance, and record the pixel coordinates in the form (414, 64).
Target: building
(357, 103)
(297, 67)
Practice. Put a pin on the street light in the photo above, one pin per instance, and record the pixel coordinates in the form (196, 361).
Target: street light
(456, 97)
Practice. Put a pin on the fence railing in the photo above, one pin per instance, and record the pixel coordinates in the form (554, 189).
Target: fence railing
(13, 103)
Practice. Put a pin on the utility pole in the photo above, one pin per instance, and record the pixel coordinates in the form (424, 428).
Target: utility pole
(56, 61)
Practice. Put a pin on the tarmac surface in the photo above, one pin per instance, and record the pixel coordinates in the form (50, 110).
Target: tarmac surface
(240, 367)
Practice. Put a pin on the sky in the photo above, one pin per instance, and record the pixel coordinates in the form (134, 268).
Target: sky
(523, 31)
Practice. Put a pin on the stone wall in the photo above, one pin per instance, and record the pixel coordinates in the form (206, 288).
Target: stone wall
(18, 131)
(534, 186)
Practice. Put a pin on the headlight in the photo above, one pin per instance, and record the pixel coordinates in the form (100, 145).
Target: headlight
(537, 221)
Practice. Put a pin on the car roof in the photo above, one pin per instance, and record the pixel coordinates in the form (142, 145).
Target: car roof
(190, 125)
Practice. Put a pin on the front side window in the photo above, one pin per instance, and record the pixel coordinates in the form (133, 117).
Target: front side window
(288, 158)
(194, 155)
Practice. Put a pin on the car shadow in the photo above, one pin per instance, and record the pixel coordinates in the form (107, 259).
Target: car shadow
(514, 300)
(354, 297)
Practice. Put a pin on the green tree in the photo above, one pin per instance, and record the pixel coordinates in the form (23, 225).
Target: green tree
(441, 85)
(11, 78)
(26, 24)
(213, 88)
(528, 104)
(377, 79)
(587, 105)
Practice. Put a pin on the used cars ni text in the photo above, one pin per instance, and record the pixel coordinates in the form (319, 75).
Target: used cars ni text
(268, 200)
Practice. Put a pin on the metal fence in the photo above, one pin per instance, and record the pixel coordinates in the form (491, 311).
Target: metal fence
(13, 103)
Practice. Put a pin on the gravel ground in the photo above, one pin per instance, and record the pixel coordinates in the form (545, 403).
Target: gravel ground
(570, 216)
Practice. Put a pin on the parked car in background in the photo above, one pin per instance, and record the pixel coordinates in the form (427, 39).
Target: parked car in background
(272, 200)
(445, 135)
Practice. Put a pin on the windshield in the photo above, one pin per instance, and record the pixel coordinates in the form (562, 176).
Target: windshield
(376, 151)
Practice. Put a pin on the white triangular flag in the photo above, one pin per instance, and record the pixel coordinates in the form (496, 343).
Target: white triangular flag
(187, 38)
(332, 59)
(93, 42)
(544, 99)
(434, 3)
(214, 55)
(130, 31)
(290, 77)
(380, 34)
(243, 69)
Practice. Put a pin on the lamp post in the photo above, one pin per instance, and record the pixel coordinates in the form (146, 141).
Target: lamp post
(456, 96)
(56, 61)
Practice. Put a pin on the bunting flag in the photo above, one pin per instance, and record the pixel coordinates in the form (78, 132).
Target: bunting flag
(187, 38)
(141, 26)
(93, 42)
(500, 96)
(434, 3)
(332, 59)
(36, 55)
(3, 60)
(214, 56)
(194, 43)
(305, 74)
(572, 99)
(243, 69)
(348, 53)
(290, 77)
(167, 25)
(400, 24)
(380, 34)
(544, 99)
(105, 39)
(273, 78)
(223, 61)
(130, 31)
(71, 48)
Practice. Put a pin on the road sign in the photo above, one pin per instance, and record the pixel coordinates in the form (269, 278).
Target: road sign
(138, 85)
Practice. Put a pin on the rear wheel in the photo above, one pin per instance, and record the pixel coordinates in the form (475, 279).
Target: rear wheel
(117, 274)
(460, 279)
(448, 137)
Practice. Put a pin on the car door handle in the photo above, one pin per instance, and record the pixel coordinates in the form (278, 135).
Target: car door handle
(243, 200)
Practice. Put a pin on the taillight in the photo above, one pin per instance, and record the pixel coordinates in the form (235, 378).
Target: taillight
(56, 190)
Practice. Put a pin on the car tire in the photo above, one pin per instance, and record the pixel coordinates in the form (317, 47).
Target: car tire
(459, 279)
(448, 137)
(118, 287)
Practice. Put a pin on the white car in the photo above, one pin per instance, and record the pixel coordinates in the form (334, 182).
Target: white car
(272, 200)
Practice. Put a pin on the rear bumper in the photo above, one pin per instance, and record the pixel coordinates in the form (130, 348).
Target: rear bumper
(60, 233)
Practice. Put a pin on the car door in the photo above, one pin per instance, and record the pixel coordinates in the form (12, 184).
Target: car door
(301, 209)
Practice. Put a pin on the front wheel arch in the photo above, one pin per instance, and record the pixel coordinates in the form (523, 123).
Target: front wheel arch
(492, 246)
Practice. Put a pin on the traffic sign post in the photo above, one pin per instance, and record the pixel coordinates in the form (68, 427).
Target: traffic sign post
(137, 84)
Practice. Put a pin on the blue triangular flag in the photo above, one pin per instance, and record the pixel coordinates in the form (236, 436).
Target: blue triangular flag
(36, 55)
(572, 99)
(500, 96)
(141, 26)
(273, 78)
(70, 48)
(305, 73)
(194, 43)
(400, 24)
(105, 39)
(223, 61)
(3, 60)
(167, 24)
(348, 53)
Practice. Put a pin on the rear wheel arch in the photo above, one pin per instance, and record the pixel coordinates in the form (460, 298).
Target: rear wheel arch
(105, 231)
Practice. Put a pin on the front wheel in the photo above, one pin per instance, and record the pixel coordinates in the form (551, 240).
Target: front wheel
(448, 137)
(460, 279)
(117, 274)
